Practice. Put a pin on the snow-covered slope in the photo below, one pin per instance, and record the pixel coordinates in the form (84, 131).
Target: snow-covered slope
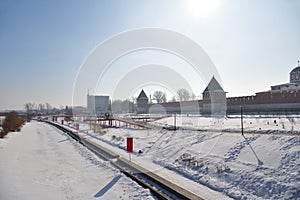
(40, 162)
(253, 166)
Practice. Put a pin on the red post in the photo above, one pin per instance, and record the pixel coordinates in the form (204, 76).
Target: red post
(130, 145)
(77, 127)
(62, 121)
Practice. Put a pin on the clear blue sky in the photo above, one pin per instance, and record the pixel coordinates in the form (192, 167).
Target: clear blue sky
(254, 44)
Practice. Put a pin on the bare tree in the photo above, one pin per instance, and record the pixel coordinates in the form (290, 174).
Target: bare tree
(132, 99)
(183, 95)
(48, 107)
(41, 108)
(193, 96)
(29, 107)
(119, 106)
(173, 99)
(159, 96)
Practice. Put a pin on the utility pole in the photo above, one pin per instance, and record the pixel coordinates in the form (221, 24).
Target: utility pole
(242, 123)
(175, 121)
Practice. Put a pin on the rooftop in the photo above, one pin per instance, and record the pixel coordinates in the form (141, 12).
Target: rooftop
(213, 86)
(296, 69)
(142, 95)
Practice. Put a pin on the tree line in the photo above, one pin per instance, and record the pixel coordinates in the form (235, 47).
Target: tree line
(181, 95)
(33, 109)
(117, 106)
(127, 106)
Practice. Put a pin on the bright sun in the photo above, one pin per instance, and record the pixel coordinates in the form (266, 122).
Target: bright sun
(203, 8)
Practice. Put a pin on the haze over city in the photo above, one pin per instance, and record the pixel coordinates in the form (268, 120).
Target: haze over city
(253, 44)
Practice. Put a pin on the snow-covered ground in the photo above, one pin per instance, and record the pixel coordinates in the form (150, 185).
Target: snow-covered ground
(212, 163)
(261, 124)
(41, 162)
(145, 159)
(253, 166)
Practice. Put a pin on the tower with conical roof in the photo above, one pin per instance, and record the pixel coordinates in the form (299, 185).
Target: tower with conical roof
(142, 103)
(214, 98)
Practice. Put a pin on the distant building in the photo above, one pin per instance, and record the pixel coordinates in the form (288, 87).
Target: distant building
(214, 102)
(281, 98)
(98, 104)
(295, 75)
(214, 98)
(142, 103)
(293, 85)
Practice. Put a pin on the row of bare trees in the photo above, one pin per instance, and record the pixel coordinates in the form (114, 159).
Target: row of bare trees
(127, 106)
(182, 95)
(41, 108)
(122, 106)
(33, 109)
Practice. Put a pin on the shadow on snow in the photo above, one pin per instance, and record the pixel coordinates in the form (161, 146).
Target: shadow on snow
(108, 186)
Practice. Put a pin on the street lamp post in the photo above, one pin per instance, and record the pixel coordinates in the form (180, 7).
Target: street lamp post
(175, 121)
(242, 123)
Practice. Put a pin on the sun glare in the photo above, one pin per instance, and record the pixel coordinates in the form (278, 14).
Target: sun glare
(202, 8)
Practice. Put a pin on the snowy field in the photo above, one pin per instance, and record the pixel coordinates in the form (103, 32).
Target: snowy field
(212, 164)
(260, 124)
(253, 166)
(41, 162)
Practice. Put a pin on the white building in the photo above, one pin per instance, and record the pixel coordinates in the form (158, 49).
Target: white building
(98, 104)
(292, 86)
